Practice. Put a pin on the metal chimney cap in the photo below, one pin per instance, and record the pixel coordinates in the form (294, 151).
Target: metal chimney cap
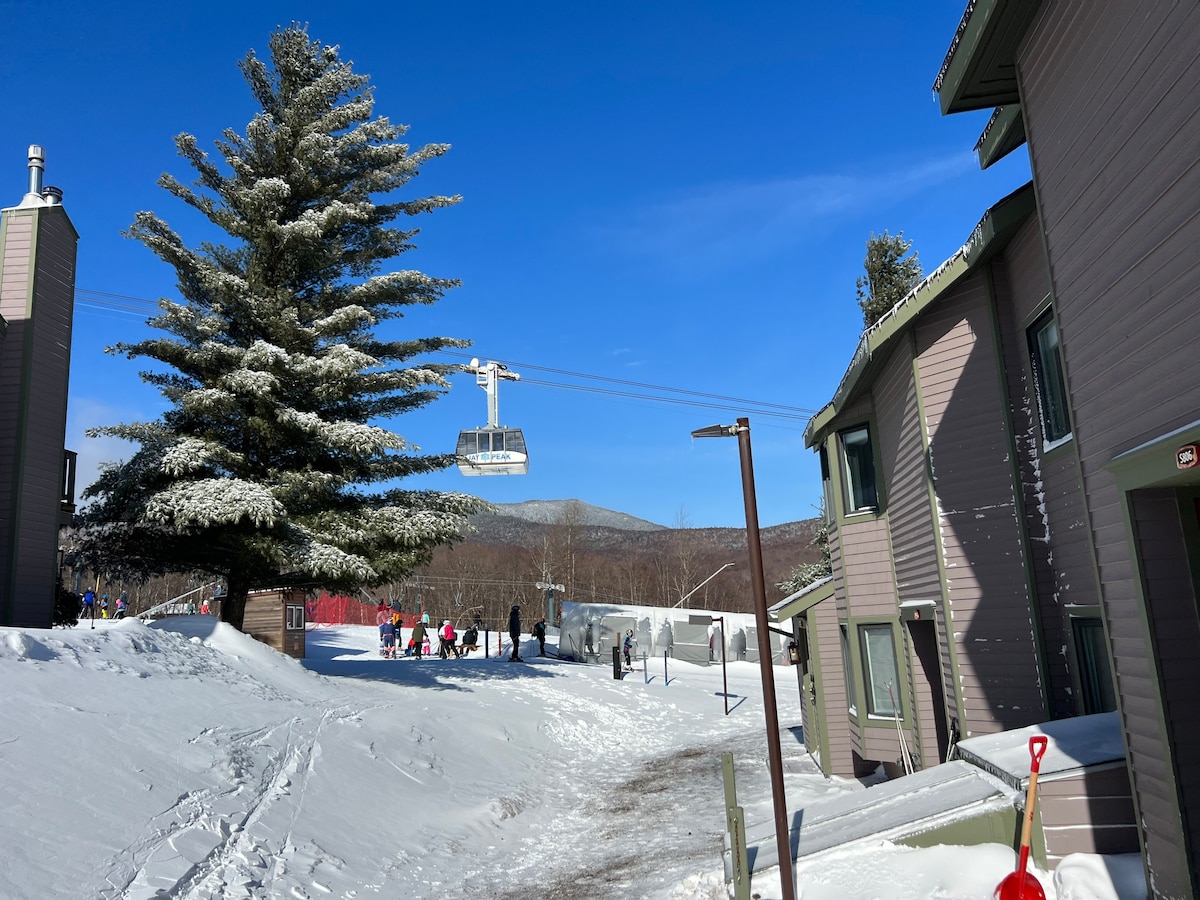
(52, 195)
(37, 154)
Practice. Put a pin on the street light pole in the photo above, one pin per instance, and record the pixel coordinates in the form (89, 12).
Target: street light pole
(783, 840)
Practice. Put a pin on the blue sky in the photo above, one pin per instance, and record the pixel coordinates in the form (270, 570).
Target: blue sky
(662, 193)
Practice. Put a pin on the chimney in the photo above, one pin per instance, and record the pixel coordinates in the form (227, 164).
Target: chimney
(52, 195)
(37, 164)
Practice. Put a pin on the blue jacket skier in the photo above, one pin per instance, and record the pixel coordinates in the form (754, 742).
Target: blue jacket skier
(387, 638)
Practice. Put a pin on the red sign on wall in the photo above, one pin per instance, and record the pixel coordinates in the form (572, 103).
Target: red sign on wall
(1186, 457)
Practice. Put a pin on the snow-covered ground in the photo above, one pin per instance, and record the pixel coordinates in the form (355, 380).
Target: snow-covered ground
(186, 760)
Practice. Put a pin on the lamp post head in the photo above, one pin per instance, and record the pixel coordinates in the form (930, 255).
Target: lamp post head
(715, 431)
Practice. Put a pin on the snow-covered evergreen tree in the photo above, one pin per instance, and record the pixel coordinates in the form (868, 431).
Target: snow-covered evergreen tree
(805, 574)
(891, 273)
(274, 464)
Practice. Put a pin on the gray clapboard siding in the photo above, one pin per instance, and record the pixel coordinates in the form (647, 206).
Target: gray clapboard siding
(37, 300)
(969, 449)
(1117, 195)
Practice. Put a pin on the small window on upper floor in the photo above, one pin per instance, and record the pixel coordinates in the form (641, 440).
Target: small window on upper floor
(827, 507)
(859, 458)
(1048, 376)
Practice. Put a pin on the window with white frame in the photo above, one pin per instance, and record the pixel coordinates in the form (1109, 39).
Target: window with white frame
(859, 459)
(295, 618)
(879, 669)
(1048, 377)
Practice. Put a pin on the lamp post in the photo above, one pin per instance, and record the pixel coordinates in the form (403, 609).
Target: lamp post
(724, 672)
(783, 840)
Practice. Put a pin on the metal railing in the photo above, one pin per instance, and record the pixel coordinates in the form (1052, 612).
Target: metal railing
(174, 607)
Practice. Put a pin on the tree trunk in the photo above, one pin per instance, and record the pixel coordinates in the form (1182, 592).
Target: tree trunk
(233, 604)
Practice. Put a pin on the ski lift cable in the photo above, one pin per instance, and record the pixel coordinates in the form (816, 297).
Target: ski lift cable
(124, 304)
(654, 387)
(748, 405)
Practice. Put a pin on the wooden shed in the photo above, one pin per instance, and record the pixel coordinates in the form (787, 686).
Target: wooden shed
(276, 617)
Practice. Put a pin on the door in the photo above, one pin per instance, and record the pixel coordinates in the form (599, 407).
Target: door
(930, 725)
(809, 708)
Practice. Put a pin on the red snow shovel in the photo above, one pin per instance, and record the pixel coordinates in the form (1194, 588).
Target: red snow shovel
(1020, 885)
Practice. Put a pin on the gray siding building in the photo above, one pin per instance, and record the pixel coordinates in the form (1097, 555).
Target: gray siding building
(1012, 460)
(37, 290)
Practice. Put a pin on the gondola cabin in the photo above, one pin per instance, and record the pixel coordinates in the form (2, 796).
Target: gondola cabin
(492, 451)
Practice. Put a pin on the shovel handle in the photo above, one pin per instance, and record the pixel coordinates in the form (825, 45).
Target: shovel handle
(1037, 749)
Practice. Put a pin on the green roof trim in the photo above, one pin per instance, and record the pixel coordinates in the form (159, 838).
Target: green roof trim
(979, 70)
(803, 600)
(1005, 132)
(990, 236)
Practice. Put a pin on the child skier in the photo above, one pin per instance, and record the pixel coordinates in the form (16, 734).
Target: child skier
(387, 638)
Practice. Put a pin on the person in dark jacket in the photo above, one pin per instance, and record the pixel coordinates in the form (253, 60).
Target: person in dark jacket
(514, 631)
(470, 640)
(539, 632)
(418, 637)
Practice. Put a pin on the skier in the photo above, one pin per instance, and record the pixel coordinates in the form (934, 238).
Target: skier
(539, 632)
(104, 607)
(89, 605)
(514, 631)
(469, 641)
(448, 637)
(387, 638)
(418, 637)
(121, 605)
(627, 647)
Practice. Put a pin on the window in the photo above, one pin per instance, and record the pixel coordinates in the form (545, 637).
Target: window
(295, 618)
(826, 485)
(860, 469)
(879, 669)
(1095, 676)
(848, 672)
(1048, 376)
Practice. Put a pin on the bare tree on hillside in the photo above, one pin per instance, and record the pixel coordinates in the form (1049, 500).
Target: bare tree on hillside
(566, 539)
(684, 557)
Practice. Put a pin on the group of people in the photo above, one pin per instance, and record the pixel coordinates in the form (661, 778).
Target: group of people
(450, 643)
(90, 605)
(419, 642)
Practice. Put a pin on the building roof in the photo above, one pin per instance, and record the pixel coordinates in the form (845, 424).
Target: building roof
(990, 236)
(802, 600)
(979, 70)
